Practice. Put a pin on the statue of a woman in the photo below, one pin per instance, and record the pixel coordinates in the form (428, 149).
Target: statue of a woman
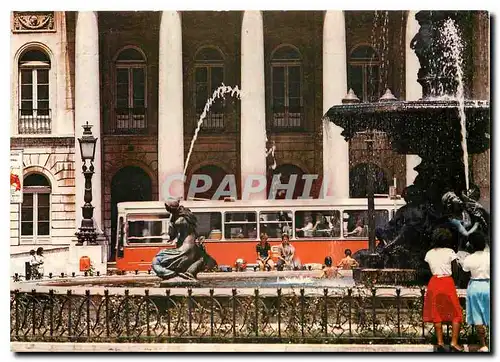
(189, 257)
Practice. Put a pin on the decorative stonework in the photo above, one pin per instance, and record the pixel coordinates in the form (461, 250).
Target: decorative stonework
(33, 21)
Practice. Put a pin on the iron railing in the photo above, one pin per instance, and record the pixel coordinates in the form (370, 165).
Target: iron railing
(34, 121)
(128, 121)
(213, 121)
(285, 118)
(297, 316)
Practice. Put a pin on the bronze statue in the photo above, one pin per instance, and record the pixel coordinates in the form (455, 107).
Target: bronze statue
(189, 257)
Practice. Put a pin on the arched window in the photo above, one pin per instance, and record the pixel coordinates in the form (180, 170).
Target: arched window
(363, 73)
(34, 104)
(358, 181)
(286, 171)
(286, 75)
(216, 174)
(130, 92)
(35, 209)
(209, 75)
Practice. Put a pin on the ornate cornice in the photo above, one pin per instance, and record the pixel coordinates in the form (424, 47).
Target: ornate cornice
(33, 21)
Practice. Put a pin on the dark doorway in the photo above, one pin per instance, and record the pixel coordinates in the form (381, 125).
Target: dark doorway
(287, 170)
(130, 183)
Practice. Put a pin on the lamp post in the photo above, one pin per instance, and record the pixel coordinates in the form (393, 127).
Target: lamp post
(87, 232)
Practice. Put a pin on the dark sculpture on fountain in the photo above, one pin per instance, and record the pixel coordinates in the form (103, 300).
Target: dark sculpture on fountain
(431, 129)
(189, 257)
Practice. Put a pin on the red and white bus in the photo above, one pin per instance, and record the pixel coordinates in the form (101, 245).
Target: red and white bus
(232, 228)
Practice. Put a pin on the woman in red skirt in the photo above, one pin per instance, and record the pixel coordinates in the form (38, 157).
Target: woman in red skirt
(441, 300)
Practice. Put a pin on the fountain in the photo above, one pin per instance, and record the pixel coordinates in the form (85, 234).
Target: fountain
(442, 128)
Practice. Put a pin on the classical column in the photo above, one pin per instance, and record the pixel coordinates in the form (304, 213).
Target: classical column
(87, 107)
(253, 112)
(413, 88)
(335, 148)
(170, 108)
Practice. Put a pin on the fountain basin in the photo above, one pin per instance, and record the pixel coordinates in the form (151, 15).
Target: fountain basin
(228, 281)
(418, 127)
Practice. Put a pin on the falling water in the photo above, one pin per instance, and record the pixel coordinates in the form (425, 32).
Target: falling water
(451, 38)
(385, 42)
(220, 92)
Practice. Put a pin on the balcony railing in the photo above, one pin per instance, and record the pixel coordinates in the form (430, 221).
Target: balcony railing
(212, 122)
(128, 121)
(34, 121)
(286, 119)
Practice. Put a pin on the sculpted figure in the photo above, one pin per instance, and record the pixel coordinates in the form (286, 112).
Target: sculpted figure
(189, 257)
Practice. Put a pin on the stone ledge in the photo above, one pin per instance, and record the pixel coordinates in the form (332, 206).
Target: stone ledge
(213, 347)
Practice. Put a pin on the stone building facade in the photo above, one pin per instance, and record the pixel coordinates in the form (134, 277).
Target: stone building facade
(141, 79)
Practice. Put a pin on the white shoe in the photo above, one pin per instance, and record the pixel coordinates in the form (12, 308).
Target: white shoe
(483, 349)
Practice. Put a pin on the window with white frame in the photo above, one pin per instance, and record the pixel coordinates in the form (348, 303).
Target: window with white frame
(130, 92)
(34, 103)
(35, 209)
(209, 75)
(286, 75)
(363, 73)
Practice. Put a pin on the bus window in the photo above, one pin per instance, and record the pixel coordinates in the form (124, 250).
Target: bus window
(209, 225)
(317, 224)
(276, 223)
(146, 231)
(356, 222)
(240, 225)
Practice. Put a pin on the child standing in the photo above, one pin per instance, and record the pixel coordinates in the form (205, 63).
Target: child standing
(478, 290)
(40, 259)
(441, 300)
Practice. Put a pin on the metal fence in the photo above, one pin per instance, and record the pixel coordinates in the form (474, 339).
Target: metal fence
(301, 316)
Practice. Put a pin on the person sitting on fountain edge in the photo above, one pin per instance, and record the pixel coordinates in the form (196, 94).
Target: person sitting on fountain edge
(441, 302)
(287, 255)
(348, 262)
(263, 249)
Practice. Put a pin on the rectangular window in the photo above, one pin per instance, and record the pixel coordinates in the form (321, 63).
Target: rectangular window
(240, 225)
(147, 231)
(276, 223)
(317, 224)
(208, 78)
(35, 214)
(287, 96)
(209, 225)
(130, 97)
(27, 215)
(356, 222)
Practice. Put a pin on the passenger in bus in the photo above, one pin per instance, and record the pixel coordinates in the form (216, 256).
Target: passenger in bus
(252, 234)
(286, 258)
(320, 227)
(307, 230)
(285, 225)
(348, 262)
(334, 226)
(146, 234)
(329, 270)
(359, 230)
(264, 253)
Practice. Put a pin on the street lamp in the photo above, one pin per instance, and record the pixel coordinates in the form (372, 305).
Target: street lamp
(87, 232)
